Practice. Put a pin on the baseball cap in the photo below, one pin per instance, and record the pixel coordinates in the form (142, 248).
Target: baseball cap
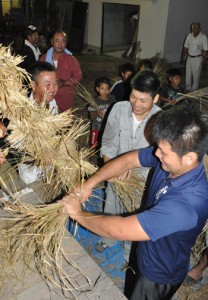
(30, 29)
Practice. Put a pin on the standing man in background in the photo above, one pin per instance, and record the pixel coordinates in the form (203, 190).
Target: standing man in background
(67, 69)
(194, 51)
(30, 50)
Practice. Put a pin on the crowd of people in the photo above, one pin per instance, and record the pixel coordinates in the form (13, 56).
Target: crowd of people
(176, 206)
(66, 65)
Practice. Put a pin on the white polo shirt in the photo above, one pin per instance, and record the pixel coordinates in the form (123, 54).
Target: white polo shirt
(196, 44)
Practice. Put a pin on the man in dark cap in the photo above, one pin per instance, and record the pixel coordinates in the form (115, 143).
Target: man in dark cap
(30, 50)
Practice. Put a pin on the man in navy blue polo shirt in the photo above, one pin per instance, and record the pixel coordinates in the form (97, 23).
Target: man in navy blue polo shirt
(176, 207)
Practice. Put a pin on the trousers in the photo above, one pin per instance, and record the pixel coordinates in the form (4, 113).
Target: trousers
(146, 289)
(193, 72)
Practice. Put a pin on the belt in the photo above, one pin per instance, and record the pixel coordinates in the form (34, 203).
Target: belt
(194, 55)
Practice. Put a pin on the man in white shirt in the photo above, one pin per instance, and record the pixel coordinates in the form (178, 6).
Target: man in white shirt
(44, 84)
(194, 51)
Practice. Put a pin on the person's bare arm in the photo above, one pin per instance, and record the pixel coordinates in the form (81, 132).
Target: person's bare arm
(184, 55)
(113, 168)
(163, 99)
(112, 227)
(2, 130)
(123, 176)
(2, 158)
(105, 159)
(204, 56)
(93, 115)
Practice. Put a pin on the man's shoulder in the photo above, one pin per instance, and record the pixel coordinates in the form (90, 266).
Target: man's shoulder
(168, 87)
(117, 84)
(203, 36)
(122, 105)
(189, 37)
(68, 57)
(155, 109)
(26, 49)
(43, 57)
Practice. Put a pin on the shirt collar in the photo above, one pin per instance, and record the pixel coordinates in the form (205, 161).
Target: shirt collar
(189, 177)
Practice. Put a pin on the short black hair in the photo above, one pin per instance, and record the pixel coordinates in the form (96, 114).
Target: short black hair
(146, 82)
(147, 63)
(173, 72)
(39, 67)
(100, 80)
(127, 67)
(184, 127)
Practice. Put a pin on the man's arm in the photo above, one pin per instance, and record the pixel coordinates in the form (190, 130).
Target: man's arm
(112, 227)
(205, 48)
(2, 130)
(184, 55)
(113, 168)
(167, 100)
(105, 158)
(2, 158)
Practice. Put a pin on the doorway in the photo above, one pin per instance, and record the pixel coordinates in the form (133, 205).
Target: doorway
(119, 22)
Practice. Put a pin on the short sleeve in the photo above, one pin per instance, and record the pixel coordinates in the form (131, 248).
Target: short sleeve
(154, 221)
(147, 157)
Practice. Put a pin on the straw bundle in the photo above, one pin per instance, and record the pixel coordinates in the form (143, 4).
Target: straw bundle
(201, 293)
(49, 142)
(201, 242)
(192, 292)
(161, 66)
(206, 164)
(200, 96)
(85, 95)
(44, 140)
(40, 230)
(130, 191)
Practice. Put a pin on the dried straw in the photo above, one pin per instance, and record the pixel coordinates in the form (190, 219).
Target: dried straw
(39, 229)
(85, 95)
(49, 142)
(201, 293)
(190, 292)
(130, 191)
(200, 96)
(201, 242)
(44, 140)
(161, 66)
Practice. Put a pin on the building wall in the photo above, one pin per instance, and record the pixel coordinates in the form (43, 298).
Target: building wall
(180, 16)
(6, 5)
(152, 24)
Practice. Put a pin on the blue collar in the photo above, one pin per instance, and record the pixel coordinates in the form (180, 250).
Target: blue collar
(188, 177)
